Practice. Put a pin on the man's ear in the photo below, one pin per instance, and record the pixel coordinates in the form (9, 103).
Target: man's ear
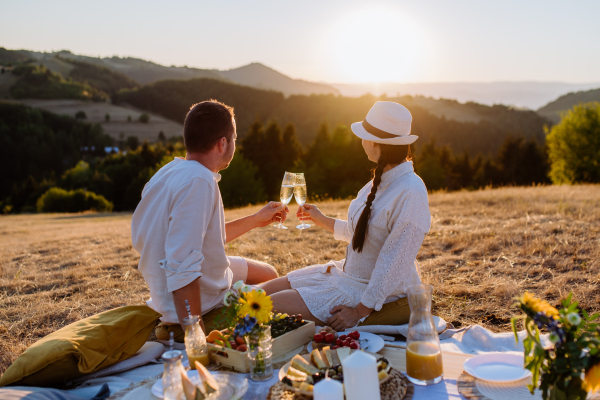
(223, 145)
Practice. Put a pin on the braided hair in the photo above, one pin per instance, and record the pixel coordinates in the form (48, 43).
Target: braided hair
(390, 154)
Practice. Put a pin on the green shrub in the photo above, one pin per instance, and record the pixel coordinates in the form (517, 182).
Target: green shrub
(145, 118)
(60, 200)
(574, 146)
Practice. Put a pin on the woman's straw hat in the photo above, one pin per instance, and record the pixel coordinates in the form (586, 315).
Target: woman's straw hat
(386, 123)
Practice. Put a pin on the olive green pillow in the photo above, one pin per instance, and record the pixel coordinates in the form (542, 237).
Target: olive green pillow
(83, 347)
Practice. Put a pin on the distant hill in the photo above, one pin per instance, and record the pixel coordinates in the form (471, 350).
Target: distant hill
(142, 71)
(260, 76)
(530, 95)
(482, 129)
(554, 109)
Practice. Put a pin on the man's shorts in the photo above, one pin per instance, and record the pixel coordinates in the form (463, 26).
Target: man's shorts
(239, 267)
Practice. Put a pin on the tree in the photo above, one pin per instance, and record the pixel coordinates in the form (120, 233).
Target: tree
(574, 146)
(80, 115)
(161, 137)
(133, 142)
(291, 148)
(144, 118)
(129, 118)
(107, 117)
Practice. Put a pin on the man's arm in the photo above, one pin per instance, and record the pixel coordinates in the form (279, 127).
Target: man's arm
(271, 213)
(191, 293)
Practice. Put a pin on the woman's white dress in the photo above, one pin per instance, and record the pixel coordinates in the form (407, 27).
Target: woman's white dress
(387, 266)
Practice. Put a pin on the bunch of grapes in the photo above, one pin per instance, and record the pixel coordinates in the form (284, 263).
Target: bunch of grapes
(283, 323)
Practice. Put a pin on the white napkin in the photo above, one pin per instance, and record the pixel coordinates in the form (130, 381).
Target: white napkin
(399, 329)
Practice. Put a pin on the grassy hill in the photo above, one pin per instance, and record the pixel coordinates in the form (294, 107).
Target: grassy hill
(483, 248)
(554, 110)
(262, 77)
(479, 128)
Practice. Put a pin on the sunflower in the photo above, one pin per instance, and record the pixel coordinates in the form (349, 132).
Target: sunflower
(257, 305)
(538, 305)
(592, 379)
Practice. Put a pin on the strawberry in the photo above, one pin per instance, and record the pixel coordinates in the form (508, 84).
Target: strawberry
(354, 346)
(354, 335)
(343, 337)
(318, 337)
(330, 338)
(339, 343)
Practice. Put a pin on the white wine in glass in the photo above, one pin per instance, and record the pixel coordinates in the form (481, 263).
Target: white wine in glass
(300, 195)
(286, 193)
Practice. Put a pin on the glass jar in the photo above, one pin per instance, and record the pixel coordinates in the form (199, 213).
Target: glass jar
(259, 343)
(171, 379)
(423, 351)
(195, 342)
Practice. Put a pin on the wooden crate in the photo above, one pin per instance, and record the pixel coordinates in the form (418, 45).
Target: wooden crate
(282, 345)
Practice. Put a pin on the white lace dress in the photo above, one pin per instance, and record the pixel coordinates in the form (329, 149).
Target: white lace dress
(387, 266)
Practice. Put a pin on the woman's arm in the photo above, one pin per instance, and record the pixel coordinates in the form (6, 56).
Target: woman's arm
(310, 212)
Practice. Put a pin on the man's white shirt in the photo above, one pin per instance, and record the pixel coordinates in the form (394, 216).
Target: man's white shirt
(179, 230)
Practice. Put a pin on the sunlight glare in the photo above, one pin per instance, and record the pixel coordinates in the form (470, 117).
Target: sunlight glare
(376, 44)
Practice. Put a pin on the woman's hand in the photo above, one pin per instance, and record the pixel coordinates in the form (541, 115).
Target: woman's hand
(343, 317)
(310, 212)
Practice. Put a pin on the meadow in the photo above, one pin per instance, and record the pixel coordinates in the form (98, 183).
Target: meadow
(484, 248)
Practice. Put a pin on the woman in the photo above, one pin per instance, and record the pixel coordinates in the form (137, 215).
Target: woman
(386, 225)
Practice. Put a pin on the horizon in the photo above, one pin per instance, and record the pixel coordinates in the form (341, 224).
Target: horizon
(341, 43)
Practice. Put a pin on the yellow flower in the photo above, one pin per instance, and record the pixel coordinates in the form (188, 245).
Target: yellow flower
(591, 383)
(538, 305)
(257, 305)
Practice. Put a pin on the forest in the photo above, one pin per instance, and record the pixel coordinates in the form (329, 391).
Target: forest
(44, 151)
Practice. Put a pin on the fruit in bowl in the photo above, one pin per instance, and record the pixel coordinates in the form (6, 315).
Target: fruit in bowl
(303, 373)
(283, 323)
(328, 337)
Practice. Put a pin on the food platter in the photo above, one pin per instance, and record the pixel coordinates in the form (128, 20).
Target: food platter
(368, 341)
(231, 385)
(285, 370)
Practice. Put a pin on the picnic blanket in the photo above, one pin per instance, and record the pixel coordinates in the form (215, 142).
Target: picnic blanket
(471, 340)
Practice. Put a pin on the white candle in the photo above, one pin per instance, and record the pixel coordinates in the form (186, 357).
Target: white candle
(328, 389)
(360, 377)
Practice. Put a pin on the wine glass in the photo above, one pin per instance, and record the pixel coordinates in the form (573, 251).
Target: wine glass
(286, 193)
(300, 196)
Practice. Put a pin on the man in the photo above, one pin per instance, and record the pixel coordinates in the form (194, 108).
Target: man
(179, 226)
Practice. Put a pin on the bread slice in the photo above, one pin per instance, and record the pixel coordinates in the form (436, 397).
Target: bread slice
(327, 357)
(301, 364)
(317, 360)
(343, 353)
(305, 387)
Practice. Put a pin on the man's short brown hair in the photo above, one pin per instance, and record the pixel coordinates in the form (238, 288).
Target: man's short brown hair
(205, 124)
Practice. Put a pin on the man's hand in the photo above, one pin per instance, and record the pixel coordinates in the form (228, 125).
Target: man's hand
(272, 212)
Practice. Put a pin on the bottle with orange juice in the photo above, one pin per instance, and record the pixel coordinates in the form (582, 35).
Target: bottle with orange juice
(195, 341)
(423, 351)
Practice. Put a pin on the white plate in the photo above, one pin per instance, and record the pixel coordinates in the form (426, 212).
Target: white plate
(368, 342)
(231, 386)
(497, 367)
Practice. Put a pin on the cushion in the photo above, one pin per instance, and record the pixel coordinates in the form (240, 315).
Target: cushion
(83, 347)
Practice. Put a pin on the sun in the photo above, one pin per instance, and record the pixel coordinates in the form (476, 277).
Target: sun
(376, 44)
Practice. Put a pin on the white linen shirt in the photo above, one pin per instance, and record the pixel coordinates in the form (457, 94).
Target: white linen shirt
(179, 230)
(400, 219)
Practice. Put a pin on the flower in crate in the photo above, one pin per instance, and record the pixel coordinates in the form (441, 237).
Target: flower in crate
(256, 304)
(573, 355)
(592, 379)
(528, 302)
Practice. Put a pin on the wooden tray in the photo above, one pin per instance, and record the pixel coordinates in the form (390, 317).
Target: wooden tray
(282, 345)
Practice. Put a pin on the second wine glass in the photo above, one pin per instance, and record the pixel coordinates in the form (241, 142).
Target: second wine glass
(286, 193)
(300, 195)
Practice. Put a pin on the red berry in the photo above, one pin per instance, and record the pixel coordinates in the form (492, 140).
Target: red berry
(330, 338)
(354, 346)
(348, 341)
(318, 337)
(299, 318)
(355, 335)
(339, 343)
(343, 337)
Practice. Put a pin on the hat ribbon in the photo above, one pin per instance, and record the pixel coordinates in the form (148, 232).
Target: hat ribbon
(377, 132)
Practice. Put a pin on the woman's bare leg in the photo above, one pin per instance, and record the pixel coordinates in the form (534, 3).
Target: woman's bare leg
(290, 302)
(276, 285)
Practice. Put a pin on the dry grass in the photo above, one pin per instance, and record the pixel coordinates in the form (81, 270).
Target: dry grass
(484, 248)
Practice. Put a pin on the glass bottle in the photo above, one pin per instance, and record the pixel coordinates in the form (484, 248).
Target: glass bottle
(423, 351)
(171, 379)
(259, 353)
(195, 342)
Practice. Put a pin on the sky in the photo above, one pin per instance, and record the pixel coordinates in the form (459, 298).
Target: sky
(337, 41)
